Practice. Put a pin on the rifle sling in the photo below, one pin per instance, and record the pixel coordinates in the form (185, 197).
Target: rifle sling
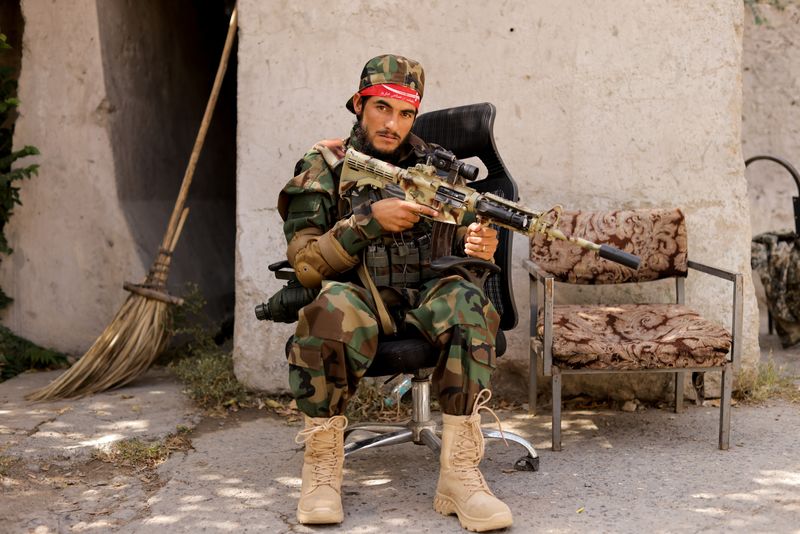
(387, 325)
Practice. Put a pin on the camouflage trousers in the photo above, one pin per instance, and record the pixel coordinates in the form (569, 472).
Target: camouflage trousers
(337, 337)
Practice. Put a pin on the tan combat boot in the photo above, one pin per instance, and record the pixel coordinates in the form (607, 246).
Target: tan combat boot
(462, 489)
(320, 494)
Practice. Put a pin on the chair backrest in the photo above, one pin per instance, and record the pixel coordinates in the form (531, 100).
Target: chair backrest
(657, 236)
(468, 132)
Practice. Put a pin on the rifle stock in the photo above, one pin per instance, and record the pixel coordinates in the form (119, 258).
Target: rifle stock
(422, 185)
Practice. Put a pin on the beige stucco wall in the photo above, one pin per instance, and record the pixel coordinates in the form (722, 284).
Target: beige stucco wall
(771, 116)
(771, 112)
(72, 246)
(601, 104)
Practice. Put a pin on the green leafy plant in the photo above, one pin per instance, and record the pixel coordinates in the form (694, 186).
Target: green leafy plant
(210, 381)
(9, 192)
(18, 355)
(189, 327)
(205, 367)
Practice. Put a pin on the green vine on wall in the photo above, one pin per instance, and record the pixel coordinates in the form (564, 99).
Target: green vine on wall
(9, 192)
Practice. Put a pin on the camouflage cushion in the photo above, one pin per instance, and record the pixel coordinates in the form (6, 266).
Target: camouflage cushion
(635, 336)
(658, 236)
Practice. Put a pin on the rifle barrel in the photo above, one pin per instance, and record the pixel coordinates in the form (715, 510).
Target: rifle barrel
(604, 251)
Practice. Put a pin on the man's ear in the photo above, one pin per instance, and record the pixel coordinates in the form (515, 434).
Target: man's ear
(357, 103)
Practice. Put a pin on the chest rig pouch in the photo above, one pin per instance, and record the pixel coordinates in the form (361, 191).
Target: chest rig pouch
(401, 260)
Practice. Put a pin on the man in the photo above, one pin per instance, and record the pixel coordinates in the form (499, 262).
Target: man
(328, 238)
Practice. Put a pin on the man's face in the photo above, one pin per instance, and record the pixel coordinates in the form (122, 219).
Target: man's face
(385, 121)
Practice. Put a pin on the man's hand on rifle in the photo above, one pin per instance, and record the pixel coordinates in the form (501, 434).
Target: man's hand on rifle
(395, 215)
(480, 241)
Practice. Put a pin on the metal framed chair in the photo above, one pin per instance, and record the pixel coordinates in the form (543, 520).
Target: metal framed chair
(633, 337)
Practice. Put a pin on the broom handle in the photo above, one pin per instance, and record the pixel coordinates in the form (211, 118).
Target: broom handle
(177, 234)
(170, 237)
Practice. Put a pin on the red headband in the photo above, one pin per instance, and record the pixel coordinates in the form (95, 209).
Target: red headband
(393, 90)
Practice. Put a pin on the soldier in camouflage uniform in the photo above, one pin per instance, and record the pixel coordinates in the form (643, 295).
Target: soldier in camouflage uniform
(337, 334)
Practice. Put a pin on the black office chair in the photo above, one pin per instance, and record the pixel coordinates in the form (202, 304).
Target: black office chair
(467, 131)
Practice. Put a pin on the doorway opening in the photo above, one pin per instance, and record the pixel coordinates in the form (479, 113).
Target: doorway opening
(160, 60)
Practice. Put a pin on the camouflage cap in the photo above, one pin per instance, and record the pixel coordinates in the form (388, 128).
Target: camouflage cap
(391, 69)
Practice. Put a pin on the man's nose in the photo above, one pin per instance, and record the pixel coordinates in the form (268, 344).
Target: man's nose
(392, 121)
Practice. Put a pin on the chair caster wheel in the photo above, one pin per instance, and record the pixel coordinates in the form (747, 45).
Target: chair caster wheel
(527, 463)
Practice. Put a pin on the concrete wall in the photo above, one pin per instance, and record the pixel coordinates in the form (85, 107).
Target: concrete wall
(112, 94)
(771, 111)
(72, 245)
(601, 104)
(771, 117)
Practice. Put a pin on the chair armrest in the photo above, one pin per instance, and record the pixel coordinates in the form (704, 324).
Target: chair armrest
(453, 262)
(738, 303)
(535, 271)
(278, 265)
(714, 271)
(283, 270)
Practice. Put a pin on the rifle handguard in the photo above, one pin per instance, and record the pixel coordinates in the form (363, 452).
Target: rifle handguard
(619, 256)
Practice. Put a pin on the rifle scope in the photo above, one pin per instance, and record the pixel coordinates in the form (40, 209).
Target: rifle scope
(444, 160)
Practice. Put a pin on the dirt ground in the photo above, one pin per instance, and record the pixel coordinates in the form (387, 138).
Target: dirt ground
(646, 470)
(89, 492)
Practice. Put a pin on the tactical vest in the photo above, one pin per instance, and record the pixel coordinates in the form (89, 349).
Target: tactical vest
(401, 259)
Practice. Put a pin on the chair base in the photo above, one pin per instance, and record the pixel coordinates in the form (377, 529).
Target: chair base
(423, 430)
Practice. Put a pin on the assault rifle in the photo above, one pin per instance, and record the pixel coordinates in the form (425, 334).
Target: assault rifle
(422, 184)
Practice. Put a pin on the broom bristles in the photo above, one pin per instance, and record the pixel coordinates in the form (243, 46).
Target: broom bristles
(125, 349)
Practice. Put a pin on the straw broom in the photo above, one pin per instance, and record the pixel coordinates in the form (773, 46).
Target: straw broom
(138, 332)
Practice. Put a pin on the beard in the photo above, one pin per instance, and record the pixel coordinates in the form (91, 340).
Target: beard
(360, 134)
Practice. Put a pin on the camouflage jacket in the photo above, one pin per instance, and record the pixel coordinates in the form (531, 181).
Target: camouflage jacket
(325, 238)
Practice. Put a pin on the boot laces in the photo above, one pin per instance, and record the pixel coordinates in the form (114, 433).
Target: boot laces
(322, 442)
(469, 454)
(480, 404)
